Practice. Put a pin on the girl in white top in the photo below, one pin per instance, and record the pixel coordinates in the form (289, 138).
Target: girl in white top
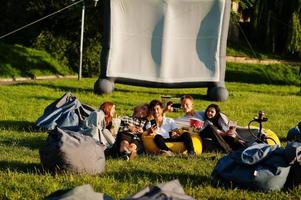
(215, 118)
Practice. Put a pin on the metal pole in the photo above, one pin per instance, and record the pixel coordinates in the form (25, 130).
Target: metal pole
(300, 79)
(81, 42)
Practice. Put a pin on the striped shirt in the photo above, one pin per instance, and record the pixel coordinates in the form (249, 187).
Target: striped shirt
(127, 121)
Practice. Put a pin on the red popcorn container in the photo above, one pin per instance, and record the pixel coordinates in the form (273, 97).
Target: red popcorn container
(196, 123)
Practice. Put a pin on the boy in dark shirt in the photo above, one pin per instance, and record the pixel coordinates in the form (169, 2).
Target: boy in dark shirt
(128, 142)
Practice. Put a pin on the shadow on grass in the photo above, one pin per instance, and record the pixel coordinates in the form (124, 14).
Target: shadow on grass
(44, 98)
(201, 96)
(59, 87)
(18, 126)
(245, 77)
(138, 90)
(184, 178)
(170, 92)
(32, 143)
(21, 167)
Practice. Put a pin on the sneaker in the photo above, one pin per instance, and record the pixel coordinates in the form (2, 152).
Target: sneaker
(125, 156)
(167, 153)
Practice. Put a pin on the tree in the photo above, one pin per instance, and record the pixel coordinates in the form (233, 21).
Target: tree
(277, 25)
(294, 34)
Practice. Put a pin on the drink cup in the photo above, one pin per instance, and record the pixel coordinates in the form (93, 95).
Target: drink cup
(116, 123)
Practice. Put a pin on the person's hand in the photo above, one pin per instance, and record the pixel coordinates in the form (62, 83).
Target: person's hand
(152, 129)
(139, 130)
(132, 147)
(221, 133)
(231, 132)
(174, 134)
(169, 108)
(132, 128)
(241, 142)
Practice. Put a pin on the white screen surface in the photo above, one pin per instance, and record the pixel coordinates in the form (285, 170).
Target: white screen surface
(166, 41)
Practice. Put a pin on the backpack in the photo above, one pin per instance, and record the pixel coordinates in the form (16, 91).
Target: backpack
(65, 112)
(94, 126)
(294, 134)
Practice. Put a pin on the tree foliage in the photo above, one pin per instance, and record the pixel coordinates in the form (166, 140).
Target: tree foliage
(276, 25)
(59, 34)
(294, 34)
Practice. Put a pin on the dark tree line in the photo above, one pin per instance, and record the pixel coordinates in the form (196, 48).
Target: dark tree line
(278, 23)
(275, 25)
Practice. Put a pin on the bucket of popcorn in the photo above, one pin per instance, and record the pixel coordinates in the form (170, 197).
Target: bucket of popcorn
(196, 123)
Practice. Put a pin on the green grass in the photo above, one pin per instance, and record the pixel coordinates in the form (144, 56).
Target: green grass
(277, 74)
(243, 50)
(22, 104)
(20, 61)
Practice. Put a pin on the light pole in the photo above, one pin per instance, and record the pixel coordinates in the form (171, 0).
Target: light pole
(82, 39)
(300, 79)
(81, 42)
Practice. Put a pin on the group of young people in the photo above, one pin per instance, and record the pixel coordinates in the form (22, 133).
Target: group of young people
(151, 119)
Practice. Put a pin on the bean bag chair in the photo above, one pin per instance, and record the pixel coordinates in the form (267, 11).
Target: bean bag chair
(244, 134)
(82, 192)
(65, 112)
(171, 190)
(294, 177)
(294, 134)
(66, 150)
(259, 167)
(94, 126)
(177, 147)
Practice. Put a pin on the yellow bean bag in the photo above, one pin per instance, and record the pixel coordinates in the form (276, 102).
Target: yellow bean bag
(176, 147)
(272, 138)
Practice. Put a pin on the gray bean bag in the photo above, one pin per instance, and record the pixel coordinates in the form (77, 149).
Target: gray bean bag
(82, 192)
(171, 190)
(66, 150)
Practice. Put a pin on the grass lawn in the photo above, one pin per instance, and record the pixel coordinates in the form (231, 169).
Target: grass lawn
(22, 104)
(20, 61)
